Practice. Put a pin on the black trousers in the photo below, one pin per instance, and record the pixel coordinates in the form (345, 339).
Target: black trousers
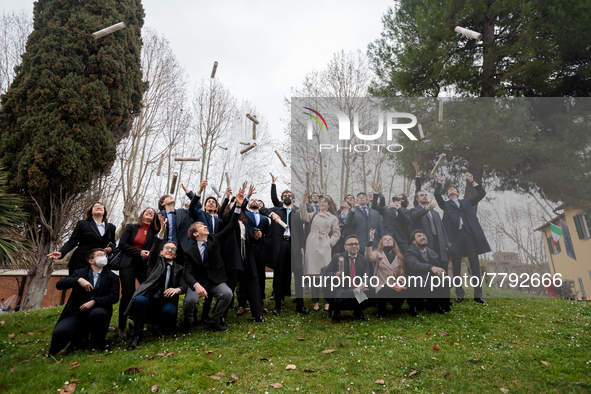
(282, 277)
(138, 269)
(467, 246)
(75, 327)
(389, 295)
(347, 301)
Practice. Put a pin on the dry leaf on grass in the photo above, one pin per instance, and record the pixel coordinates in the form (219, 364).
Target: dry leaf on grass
(170, 354)
(276, 385)
(520, 315)
(209, 351)
(11, 335)
(559, 321)
(436, 348)
(474, 360)
(380, 381)
(328, 351)
(215, 377)
(414, 372)
(2, 322)
(133, 370)
(310, 370)
(301, 339)
(518, 328)
(447, 375)
(546, 363)
(290, 367)
(251, 331)
(504, 390)
(234, 376)
(154, 389)
(443, 333)
(68, 388)
(75, 380)
(151, 373)
(31, 333)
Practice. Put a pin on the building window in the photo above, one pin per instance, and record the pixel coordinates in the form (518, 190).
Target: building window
(583, 295)
(583, 224)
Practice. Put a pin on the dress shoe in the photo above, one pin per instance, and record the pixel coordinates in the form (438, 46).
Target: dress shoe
(282, 302)
(272, 297)
(187, 327)
(277, 312)
(217, 326)
(134, 343)
(480, 300)
(459, 299)
(259, 319)
(303, 310)
(441, 311)
(361, 317)
(223, 321)
(265, 310)
(336, 317)
(240, 311)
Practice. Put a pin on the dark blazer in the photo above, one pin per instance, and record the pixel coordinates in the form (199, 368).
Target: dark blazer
(264, 225)
(396, 222)
(182, 223)
(451, 218)
(416, 264)
(199, 215)
(274, 199)
(156, 267)
(420, 221)
(361, 269)
(359, 224)
(231, 246)
(105, 294)
(213, 271)
(270, 252)
(86, 236)
(126, 242)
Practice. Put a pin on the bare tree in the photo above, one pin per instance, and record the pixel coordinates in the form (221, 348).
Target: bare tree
(14, 31)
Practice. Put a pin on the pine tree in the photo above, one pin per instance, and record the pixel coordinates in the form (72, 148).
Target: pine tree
(73, 99)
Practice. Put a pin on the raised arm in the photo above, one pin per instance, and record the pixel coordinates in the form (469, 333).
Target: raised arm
(157, 245)
(304, 214)
(479, 189)
(437, 193)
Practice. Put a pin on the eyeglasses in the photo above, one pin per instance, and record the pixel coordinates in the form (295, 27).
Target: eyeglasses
(170, 248)
(287, 195)
(149, 211)
(353, 244)
(99, 254)
(98, 206)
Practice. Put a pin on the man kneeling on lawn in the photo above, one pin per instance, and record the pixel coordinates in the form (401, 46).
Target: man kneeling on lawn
(90, 306)
(156, 300)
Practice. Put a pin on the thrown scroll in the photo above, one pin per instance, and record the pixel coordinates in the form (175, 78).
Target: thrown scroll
(297, 175)
(468, 33)
(215, 190)
(243, 151)
(215, 67)
(441, 157)
(441, 110)
(228, 179)
(173, 184)
(280, 158)
(187, 158)
(249, 116)
(109, 30)
(421, 132)
(160, 165)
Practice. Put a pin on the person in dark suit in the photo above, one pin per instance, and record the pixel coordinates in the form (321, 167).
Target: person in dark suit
(205, 272)
(361, 219)
(156, 300)
(396, 218)
(342, 213)
(92, 233)
(421, 261)
(135, 244)
(355, 268)
(464, 231)
(284, 251)
(179, 221)
(207, 216)
(276, 202)
(90, 306)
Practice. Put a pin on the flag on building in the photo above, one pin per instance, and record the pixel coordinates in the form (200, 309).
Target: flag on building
(556, 234)
(568, 242)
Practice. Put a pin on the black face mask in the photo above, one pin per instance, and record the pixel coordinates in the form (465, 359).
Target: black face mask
(388, 248)
(287, 201)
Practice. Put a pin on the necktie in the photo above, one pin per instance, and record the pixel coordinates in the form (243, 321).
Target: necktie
(364, 210)
(352, 271)
(288, 211)
(458, 204)
(167, 276)
(433, 229)
(205, 254)
(257, 218)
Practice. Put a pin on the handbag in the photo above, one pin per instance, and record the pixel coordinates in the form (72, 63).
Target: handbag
(114, 259)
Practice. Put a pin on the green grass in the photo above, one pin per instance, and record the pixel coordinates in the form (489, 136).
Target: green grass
(482, 352)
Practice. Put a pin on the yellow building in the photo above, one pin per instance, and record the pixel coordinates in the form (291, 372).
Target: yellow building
(579, 270)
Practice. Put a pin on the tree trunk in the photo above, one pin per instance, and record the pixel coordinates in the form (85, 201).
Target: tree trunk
(38, 275)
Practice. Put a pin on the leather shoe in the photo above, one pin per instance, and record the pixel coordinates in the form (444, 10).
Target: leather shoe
(223, 321)
(361, 317)
(282, 302)
(272, 297)
(336, 317)
(217, 326)
(134, 343)
(458, 300)
(240, 311)
(480, 300)
(259, 319)
(303, 310)
(265, 310)
(277, 312)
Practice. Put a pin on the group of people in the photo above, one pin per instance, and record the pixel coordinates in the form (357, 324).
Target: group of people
(207, 250)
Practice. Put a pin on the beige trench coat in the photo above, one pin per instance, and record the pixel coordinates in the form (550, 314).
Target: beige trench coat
(319, 244)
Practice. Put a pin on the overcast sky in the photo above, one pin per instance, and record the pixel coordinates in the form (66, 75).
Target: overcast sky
(263, 47)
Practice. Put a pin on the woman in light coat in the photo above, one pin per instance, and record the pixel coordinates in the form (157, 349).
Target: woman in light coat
(324, 234)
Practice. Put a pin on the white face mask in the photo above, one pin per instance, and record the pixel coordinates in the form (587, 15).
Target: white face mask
(101, 261)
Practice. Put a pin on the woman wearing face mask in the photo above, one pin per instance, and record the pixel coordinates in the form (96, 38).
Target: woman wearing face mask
(90, 233)
(388, 263)
(324, 234)
(135, 244)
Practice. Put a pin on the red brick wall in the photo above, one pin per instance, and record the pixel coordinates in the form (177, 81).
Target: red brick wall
(53, 296)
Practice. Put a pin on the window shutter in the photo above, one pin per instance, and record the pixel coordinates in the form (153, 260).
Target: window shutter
(558, 247)
(550, 245)
(578, 226)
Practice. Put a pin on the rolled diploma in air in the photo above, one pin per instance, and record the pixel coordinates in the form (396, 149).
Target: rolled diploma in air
(280, 158)
(254, 131)
(297, 175)
(421, 132)
(368, 172)
(187, 158)
(222, 147)
(160, 165)
(441, 157)
(109, 30)
(468, 33)
(441, 110)
(244, 143)
(243, 151)
(307, 181)
(249, 116)
(215, 67)
(173, 184)
(228, 179)
(341, 264)
(215, 190)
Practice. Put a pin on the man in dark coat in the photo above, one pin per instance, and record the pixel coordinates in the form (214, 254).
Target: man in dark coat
(90, 306)
(355, 277)
(283, 251)
(205, 272)
(464, 232)
(396, 218)
(179, 221)
(156, 300)
(421, 261)
(198, 214)
(361, 219)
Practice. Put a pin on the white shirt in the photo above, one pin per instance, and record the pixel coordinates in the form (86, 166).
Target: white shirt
(101, 228)
(287, 232)
(95, 276)
(458, 204)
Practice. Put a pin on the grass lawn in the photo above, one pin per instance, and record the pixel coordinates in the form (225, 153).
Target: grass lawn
(480, 350)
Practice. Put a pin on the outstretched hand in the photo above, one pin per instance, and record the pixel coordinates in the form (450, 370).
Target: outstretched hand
(185, 188)
(273, 178)
(416, 166)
